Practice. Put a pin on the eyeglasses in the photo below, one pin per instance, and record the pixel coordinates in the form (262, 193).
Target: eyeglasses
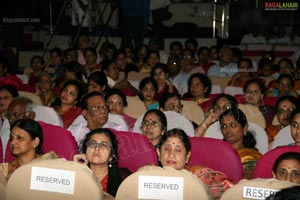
(17, 115)
(188, 57)
(98, 107)
(219, 108)
(101, 145)
(173, 107)
(152, 123)
(288, 111)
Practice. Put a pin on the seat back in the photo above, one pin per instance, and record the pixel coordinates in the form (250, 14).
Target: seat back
(145, 184)
(264, 165)
(53, 180)
(216, 89)
(135, 150)
(222, 81)
(283, 137)
(135, 107)
(59, 140)
(192, 111)
(232, 90)
(48, 115)
(260, 135)
(253, 114)
(218, 155)
(137, 76)
(255, 189)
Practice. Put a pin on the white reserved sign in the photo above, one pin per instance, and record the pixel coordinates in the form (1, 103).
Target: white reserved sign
(160, 187)
(52, 180)
(257, 193)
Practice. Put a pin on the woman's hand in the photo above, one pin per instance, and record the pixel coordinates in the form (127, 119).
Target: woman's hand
(81, 158)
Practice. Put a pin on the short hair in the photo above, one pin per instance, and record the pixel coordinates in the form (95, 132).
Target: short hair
(86, 97)
(33, 129)
(203, 79)
(247, 60)
(257, 81)
(176, 43)
(286, 156)
(179, 133)
(30, 106)
(161, 66)
(193, 41)
(162, 117)
(41, 59)
(118, 92)
(56, 50)
(10, 89)
(202, 49)
(165, 97)
(99, 78)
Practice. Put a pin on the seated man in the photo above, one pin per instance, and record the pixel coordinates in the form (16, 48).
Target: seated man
(95, 112)
(24, 108)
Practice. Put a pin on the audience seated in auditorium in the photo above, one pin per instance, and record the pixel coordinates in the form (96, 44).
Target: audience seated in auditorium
(37, 64)
(203, 59)
(222, 103)
(284, 87)
(26, 145)
(176, 76)
(154, 125)
(175, 151)
(7, 94)
(147, 92)
(287, 167)
(45, 88)
(122, 64)
(98, 82)
(254, 91)
(90, 56)
(199, 87)
(295, 126)
(234, 127)
(95, 112)
(160, 74)
(69, 100)
(84, 42)
(152, 59)
(111, 71)
(214, 55)
(140, 56)
(188, 63)
(279, 37)
(225, 68)
(99, 151)
(107, 51)
(55, 64)
(116, 102)
(244, 74)
(284, 108)
(254, 37)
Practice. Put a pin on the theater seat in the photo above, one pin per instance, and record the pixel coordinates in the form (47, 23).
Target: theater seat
(169, 184)
(135, 150)
(218, 155)
(264, 165)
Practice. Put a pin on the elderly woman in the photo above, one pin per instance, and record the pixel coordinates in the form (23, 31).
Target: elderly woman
(100, 152)
(234, 127)
(70, 96)
(116, 101)
(26, 140)
(175, 151)
(45, 88)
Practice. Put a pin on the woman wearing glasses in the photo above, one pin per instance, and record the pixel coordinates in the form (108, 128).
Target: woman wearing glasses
(100, 153)
(154, 125)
